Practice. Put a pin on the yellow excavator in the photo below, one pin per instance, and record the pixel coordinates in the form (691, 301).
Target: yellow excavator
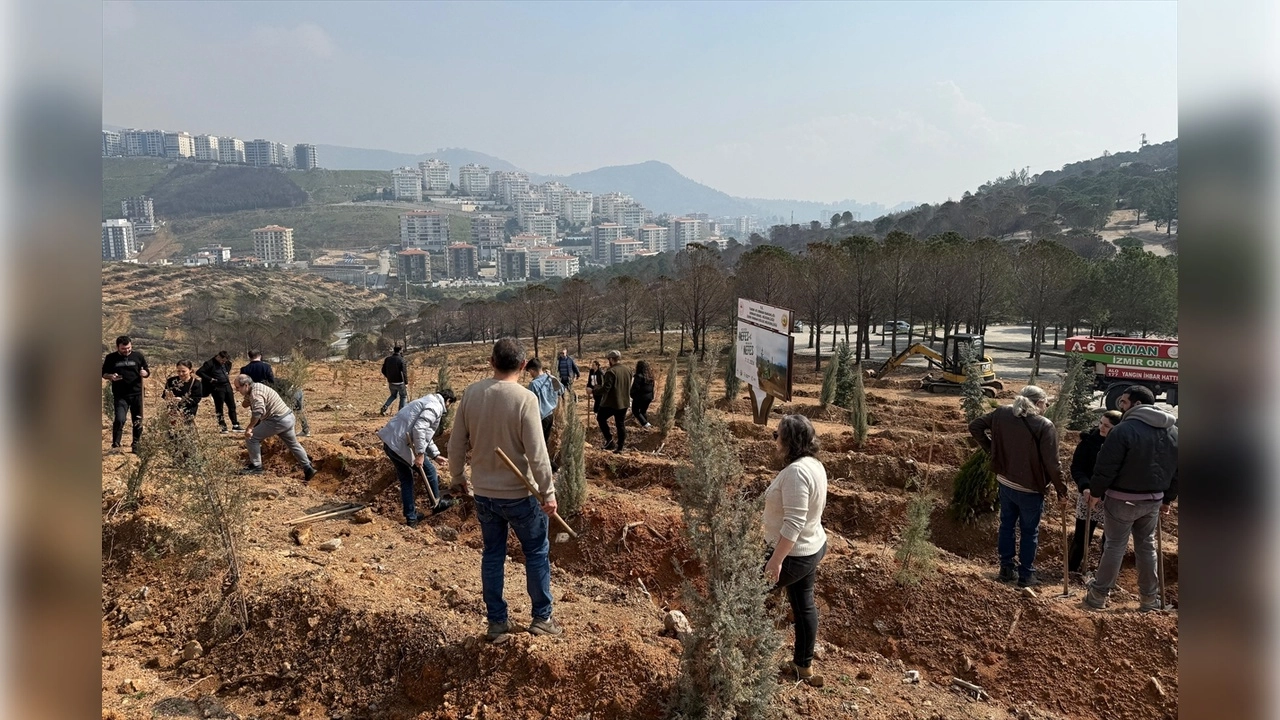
(949, 364)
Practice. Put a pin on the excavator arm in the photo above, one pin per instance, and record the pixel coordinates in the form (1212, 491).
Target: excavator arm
(933, 356)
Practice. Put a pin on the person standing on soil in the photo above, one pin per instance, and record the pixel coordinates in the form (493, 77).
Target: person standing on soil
(612, 398)
(270, 416)
(568, 371)
(397, 375)
(544, 387)
(793, 507)
(595, 376)
(260, 371)
(125, 368)
(499, 413)
(409, 441)
(215, 375)
(1135, 479)
(1023, 446)
(183, 391)
(642, 394)
(1082, 462)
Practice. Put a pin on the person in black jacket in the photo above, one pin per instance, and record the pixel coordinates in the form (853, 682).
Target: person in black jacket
(260, 371)
(393, 369)
(595, 378)
(1082, 463)
(184, 392)
(642, 393)
(125, 368)
(1136, 479)
(215, 374)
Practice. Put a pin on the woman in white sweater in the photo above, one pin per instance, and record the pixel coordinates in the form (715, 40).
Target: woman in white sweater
(793, 507)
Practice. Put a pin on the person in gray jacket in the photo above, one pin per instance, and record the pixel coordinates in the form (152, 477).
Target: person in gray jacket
(271, 417)
(409, 440)
(1136, 480)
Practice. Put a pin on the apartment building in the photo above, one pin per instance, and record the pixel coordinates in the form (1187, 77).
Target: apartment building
(284, 155)
(488, 234)
(575, 208)
(231, 151)
(406, 183)
(179, 145)
(606, 205)
(553, 194)
(435, 176)
(513, 263)
(141, 212)
(261, 153)
(273, 244)
(537, 256)
(142, 143)
(561, 266)
(682, 231)
(473, 180)
(206, 148)
(631, 216)
(527, 240)
(653, 237)
(304, 156)
(507, 186)
(525, 205)
(463, 261)
(624, 250)
(219, 253)
(543, 224)
(601, 236)
(424, 230)
(111, 146)
(119, 244)
(414, 266)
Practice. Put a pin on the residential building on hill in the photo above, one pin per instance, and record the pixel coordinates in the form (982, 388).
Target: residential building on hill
(304, 156)
(473, 180)
(406, 183)
(425, 230)
(601, 236)
(653, 237)
(561, 266)
(414, 266)
(463, 261)
(435, 176)
(118, 241)
(206, 147)
(141, 212)
(513, 263)
(179, 146)
(111, 146)
(231, 151)
(273, 244)
(488, 233)
(261, 153)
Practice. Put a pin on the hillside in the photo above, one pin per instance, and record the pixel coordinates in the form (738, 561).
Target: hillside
(128, 177)
(314, 226)
(193, 189)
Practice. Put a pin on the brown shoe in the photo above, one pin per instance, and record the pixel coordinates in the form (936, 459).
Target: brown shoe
(807, 675)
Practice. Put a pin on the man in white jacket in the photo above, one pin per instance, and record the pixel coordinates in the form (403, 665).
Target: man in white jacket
(408, 441)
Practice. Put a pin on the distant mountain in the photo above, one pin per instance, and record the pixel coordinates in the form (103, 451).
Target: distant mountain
(337, 157)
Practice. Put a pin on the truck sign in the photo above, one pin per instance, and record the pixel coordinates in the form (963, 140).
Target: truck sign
(1127, 347)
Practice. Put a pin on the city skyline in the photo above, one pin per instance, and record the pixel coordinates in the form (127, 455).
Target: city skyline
(871, 102)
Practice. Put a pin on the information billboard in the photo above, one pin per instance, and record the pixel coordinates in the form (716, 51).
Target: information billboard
(765, 348)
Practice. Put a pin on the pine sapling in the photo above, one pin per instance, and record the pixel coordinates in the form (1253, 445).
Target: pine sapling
(972, 399)
(1078, 389)
(667, 410)
(571, 486)
(732, 385)
(844, 376)
(975, 489)
(829, 381)
(444, 382)
(858, 406)
(916, 555)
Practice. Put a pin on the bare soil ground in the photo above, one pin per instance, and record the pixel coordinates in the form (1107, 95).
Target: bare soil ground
(390, 624)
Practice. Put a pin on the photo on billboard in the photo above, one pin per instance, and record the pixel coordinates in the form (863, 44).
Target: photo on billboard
(764, 359)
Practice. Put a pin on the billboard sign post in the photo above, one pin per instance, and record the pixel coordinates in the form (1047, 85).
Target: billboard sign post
(764, 352)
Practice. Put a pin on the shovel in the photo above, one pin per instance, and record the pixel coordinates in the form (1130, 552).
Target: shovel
(426, 482)
(534, 490)
(1160, 558)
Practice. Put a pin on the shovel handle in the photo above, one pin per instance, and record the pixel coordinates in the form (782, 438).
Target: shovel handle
(427, 482)
(533, 489)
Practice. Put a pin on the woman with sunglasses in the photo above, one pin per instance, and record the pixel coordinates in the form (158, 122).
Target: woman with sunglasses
(793, 507)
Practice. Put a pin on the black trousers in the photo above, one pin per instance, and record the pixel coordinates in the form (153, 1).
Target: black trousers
(127, 405)
(797, 576)
(1076, 555)
(224, 395)
(619, 420)
(640, 411)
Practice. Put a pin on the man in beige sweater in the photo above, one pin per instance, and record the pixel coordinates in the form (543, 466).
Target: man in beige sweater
(502, 413)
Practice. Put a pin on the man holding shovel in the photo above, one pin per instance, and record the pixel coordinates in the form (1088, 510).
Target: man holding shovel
(500, 414)
(1135, 479)
(408, 440)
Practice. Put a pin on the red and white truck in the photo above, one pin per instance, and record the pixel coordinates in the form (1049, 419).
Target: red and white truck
(1120, 362)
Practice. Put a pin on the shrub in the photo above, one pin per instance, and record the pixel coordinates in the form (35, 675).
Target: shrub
(731, 382)
(108, 403)
(916, 554)
(1074, 402)
(571, 486)
(972, 400)
(975, 488)
(727, 669)
(858, 406)
(829, 381)
(667, 410)
(844, 376)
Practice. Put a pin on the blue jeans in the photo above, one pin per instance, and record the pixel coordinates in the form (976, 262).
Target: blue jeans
(1023, 508)
(398, 390)
(525, 516)
(404, 473)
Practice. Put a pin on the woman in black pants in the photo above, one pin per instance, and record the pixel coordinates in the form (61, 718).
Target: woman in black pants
(1082, 463)
(641, 393)
(793, 507)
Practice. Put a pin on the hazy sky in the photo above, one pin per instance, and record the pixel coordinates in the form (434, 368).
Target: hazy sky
(867, 101)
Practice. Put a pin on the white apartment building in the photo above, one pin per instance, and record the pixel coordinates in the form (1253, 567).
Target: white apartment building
(273, 244)
(463, 261)
(526, 205)
(513, 263)
(111, 146)
(424, 230)
(561, 266)
(407, 184)
(304, 156)
(141, 212)
(543, 224)
(553, 194)
(219, 253)
(606, 205)
(488, 234)
(575, 208)
(473, 180)
(507, 186)
(206, 147)
(717, 241)
(631, 216)
(684, 230)
(119, 244)
(142, 143)
(601, 236)
(537, 255)
(527, 240)
(624, 250)
(230, 151)
(179, 145)
(284, 155)
(435, 176)
(261, 153)
(653, 237)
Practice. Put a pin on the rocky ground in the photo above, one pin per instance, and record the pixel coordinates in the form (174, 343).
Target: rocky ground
(388, 625)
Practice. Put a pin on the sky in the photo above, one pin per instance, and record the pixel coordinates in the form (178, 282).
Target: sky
(874, 102)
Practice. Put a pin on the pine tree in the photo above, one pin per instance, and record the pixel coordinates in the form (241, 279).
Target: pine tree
(858, 406)
(916, 554)
(727, 668)
(973, 402)
(731, 382)
(1077, 393)
(829, 381)
(975, 489)
(571, 486)
(443, 382)
(667, 410)
(844, 376)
